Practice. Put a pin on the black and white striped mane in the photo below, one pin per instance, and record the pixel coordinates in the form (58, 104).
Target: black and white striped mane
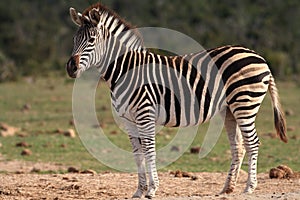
(104, 11)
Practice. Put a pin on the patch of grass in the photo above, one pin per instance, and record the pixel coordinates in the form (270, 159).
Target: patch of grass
(50, 103)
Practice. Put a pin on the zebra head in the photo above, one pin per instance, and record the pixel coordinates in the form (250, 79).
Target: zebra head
(88, 42)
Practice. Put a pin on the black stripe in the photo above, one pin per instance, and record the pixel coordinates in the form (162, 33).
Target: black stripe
(247, 117)
(167, 99)
(246, 125)
(118, 71)
(114, 59)
(129, 79)
(230, 54)
(137, 93)
(245, 93)
(116, 28)
(176, 63)
(177, 110)
(199, 91)
(206, 104)
(238, 65)
(247, 81)
(246, 107)
(214, 52)
(177, 96)
(185, 65)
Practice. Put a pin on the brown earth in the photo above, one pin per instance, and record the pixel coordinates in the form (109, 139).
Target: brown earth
(17, 181)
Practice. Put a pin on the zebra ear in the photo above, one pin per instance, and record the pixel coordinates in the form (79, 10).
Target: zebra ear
(76, 17)
(94, 16)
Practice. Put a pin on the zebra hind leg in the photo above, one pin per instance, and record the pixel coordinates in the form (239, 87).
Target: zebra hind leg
(251, 143)
(237, 152)
(140, 161)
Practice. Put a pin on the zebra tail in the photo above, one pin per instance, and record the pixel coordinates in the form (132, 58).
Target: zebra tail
(279, 118)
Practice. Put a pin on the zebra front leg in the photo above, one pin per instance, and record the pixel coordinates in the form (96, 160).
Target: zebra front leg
(139, 158)
(237, 152)
(140, 162)
(149, 148)
(147, 133)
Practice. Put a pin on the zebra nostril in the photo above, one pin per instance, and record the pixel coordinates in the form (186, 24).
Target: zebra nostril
(72, 67)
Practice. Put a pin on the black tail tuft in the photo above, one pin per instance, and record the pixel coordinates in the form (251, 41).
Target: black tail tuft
(279, 118)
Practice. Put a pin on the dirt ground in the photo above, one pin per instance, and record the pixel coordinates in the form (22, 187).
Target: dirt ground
(18, 181)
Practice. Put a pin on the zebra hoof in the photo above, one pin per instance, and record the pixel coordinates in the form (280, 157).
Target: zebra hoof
(150, 194)
(227, 190)
(250, 189)
(138, 194)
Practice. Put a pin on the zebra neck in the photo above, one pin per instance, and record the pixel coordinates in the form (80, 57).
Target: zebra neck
(118, 28)
(119, 66)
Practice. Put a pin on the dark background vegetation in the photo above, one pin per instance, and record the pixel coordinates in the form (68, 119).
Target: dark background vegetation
(36, 35)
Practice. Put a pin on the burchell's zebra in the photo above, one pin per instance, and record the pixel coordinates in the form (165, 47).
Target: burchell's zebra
(148, 89)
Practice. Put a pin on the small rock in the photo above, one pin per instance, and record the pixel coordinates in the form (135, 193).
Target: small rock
(175, 148)
(6, 130)
(282, 171)
(291, 128)
(76, 187)
(276, 173)
(294, 137)
(26, 152)
(288, 171)
(289, 112)
(73, 170)
(22, 134)
(51, 87)
(194, 178)
(96, 126)
(59, 131)
(4, 126)
(88, 171)
(167, 136)
(63, 146)
(186, 174)
(35, 170)
(195, 150)
(104, 108)
(70, 133)
(114, 132)
(26, 107)
(71, 122)
(22, 144)
(178, 174)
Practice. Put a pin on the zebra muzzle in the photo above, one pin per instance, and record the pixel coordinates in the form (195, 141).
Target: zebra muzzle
(72, 66)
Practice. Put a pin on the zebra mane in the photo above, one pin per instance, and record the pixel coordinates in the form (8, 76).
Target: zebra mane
(106, 13)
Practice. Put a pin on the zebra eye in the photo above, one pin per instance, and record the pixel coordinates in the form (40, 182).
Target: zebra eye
(91, 40)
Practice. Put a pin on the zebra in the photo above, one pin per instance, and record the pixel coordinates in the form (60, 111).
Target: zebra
(149, 89)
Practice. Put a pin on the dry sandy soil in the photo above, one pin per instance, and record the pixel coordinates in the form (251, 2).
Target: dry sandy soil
(18, 182)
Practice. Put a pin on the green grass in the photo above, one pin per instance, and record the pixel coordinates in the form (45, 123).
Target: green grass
(51, 109)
